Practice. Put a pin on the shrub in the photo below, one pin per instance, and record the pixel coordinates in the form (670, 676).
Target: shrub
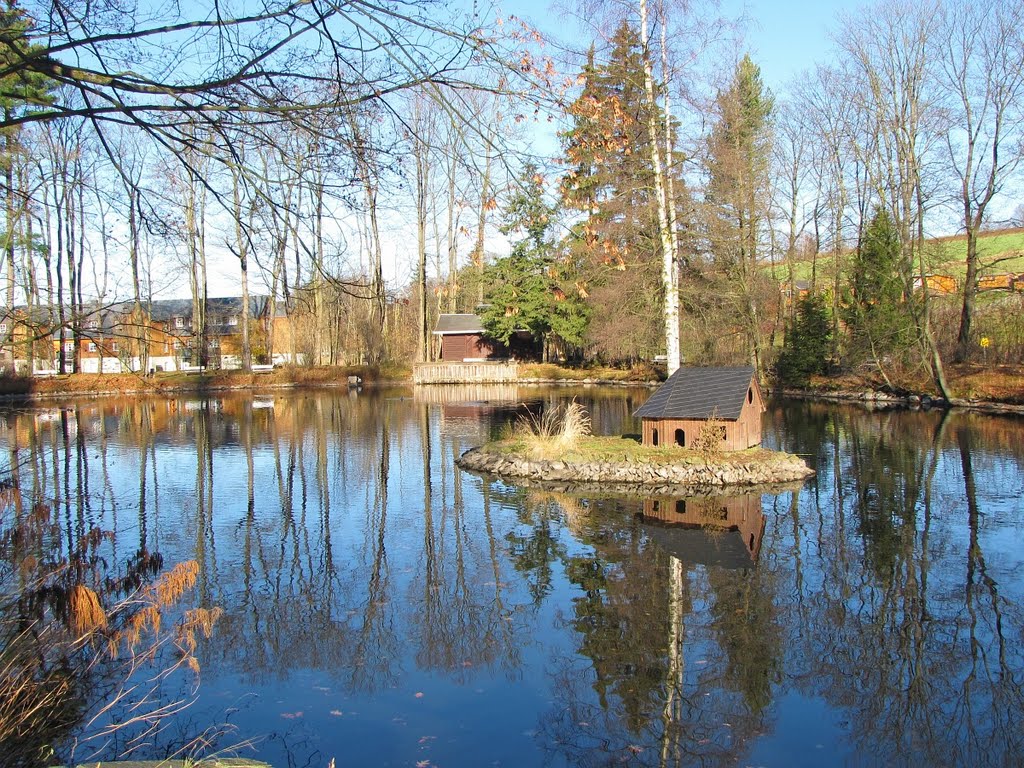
(710, 438)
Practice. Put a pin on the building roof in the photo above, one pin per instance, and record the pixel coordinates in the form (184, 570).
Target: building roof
(704, 546)
(699, 393)
(465, 323)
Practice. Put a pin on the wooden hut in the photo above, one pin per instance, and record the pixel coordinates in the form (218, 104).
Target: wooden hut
(681, 407)
(462, 339)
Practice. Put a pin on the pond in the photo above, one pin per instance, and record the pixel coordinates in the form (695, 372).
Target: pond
(369, 603)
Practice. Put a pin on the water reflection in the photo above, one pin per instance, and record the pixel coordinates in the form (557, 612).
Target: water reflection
(381, 606)
(723, 531)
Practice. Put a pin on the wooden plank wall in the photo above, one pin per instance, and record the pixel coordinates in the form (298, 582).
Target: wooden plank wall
(464, 373)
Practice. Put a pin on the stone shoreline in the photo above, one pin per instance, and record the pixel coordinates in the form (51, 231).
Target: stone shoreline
(876, 399)
(780, 468)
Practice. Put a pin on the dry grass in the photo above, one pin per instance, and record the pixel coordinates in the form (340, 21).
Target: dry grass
(555, 431)
(549, 371)
(92, 383)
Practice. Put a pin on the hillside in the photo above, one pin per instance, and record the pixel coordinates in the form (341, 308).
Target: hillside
(1001, 252)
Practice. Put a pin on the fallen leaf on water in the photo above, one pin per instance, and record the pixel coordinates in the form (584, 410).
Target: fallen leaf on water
(337, 712)
(419, 694)
(422, 763)
(291, 715)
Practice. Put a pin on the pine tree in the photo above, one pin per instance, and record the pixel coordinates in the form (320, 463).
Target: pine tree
(738, 188)
(878, 316)
(611, 181)
(529, 290)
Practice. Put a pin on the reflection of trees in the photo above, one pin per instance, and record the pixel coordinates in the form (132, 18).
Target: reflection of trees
(668, 683)
(91, 642)
(912, 647)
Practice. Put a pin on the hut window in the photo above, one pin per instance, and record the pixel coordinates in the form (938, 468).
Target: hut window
(657, 506)
(750, 395)
(680, 438)
(680, 506)
(751, 542)
(654, 438)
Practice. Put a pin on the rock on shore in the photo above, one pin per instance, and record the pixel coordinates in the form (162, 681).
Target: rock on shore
(779, 468)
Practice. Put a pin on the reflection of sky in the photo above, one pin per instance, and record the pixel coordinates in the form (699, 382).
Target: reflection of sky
(473, 623)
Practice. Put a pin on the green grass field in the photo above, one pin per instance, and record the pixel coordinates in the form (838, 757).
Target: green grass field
(1001, 252)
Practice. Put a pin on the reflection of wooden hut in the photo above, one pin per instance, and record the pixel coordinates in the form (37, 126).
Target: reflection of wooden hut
(711, 530)
(678, 410)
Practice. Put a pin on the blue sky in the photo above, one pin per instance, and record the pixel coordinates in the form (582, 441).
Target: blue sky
(785, 37)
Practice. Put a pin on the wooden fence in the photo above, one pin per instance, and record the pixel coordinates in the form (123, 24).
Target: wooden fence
(464, 373)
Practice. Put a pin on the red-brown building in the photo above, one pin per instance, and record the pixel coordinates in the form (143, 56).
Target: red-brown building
(712, 530)
(462, 339)
(681, 407)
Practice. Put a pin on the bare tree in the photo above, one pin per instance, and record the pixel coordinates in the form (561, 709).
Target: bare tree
(980, 70)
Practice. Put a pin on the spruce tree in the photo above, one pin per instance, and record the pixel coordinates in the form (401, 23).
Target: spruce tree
(877, 313)
(807, 343)
(532, 288)
(610, 180)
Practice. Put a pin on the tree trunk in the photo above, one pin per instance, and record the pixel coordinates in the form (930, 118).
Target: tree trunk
(669, 262)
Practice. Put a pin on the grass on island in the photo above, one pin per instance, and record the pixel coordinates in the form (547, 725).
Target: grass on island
(625, 449)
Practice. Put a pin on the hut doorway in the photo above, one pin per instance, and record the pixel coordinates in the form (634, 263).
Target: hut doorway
(680, 438)
(654, 438)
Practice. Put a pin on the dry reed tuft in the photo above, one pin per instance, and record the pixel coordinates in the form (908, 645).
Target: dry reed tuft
(557, 430)
(85, 614)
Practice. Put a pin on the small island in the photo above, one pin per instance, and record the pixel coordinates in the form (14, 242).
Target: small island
(702, 427)
(623, 460)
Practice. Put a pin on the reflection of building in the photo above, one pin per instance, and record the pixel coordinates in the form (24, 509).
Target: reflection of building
(695, 399)
(712, 530)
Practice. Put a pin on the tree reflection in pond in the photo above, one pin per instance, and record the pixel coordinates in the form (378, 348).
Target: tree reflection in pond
(381, 606)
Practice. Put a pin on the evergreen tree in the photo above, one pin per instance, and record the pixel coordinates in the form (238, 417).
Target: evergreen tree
(21, 89)
(878, 316)
(528, 288)
(738, 196)
(611, 181)
(807, 342)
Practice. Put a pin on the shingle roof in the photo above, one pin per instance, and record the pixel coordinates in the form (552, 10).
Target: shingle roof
(696, 393)
(459, 324)
(724, 549)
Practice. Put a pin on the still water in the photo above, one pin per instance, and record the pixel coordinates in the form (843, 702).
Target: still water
(379, 607)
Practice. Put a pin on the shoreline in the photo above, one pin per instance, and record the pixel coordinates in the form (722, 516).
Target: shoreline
(671, 470)
(111, 385)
